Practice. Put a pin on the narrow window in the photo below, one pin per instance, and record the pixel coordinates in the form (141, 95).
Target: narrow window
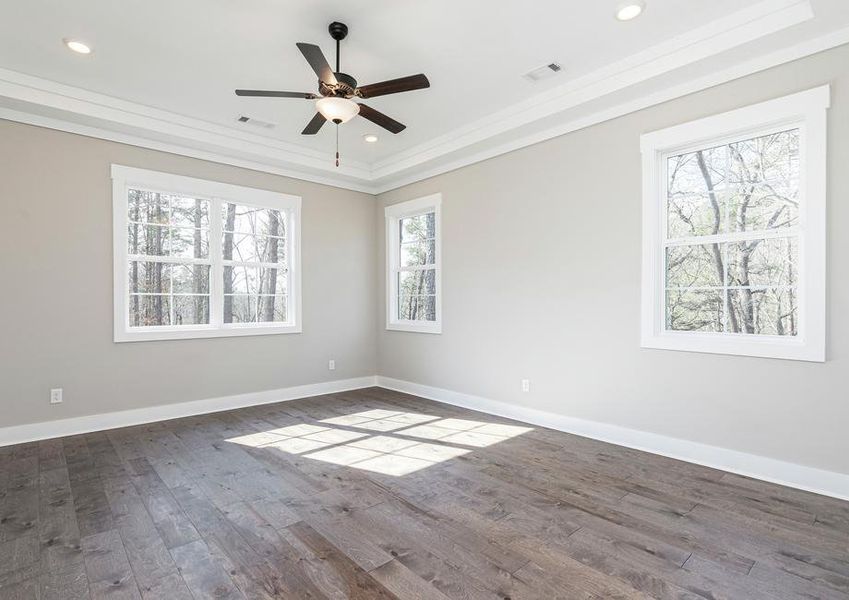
(413, 257)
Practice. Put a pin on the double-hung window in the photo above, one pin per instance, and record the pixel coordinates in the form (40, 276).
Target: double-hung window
(195, 258)
(734, 231)
(413, 254)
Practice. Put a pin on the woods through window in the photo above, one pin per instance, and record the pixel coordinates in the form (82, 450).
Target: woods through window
(734, 231)
(413, 249)
(202, 259)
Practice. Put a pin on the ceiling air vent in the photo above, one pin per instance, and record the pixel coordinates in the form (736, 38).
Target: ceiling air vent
(543, 72)
(255, 122)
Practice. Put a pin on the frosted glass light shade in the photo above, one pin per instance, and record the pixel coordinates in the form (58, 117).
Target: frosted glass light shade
(337, 109)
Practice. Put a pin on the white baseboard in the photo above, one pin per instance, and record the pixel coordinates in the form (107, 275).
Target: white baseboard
(828, 483)
(31, 432)
(819, 481)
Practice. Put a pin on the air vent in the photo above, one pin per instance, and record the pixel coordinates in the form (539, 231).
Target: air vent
(543, 72)
(255, 122)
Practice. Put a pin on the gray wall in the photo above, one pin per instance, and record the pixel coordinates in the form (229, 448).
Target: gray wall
(56, 283)
(541, 255)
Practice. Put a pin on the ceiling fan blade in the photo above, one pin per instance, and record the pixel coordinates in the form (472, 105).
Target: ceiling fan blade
(378, 118)
(314, 125)
(319, 64)
(273, 94)
(394, 86)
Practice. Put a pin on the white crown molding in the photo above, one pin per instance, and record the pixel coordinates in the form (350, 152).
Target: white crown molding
(179, 149)
(44, 103)
(19, 434)
(811, 479)
(708, 40)
(750, 67)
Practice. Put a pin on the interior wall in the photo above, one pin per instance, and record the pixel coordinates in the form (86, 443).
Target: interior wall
(56, 282)
(541, 280)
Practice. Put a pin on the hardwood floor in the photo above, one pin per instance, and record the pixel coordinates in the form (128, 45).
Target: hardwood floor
(376, 494)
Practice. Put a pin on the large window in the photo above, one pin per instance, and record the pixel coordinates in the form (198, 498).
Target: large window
(197, 258)
(734, 232)
(413, 253)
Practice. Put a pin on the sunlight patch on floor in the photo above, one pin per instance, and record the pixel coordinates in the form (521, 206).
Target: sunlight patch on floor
(383, 441)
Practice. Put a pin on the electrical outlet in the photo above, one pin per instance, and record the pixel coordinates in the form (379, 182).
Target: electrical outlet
(56, 396)
(331, 365)
(526, 385)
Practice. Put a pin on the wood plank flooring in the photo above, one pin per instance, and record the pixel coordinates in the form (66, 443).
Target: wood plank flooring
(375, 494)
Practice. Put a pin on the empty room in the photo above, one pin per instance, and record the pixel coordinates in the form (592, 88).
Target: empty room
(315, 299)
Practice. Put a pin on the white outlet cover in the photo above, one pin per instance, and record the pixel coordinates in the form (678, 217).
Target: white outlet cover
(331, 365)
(56, 396)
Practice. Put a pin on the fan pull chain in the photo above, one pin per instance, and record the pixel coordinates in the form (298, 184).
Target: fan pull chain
(337, 145)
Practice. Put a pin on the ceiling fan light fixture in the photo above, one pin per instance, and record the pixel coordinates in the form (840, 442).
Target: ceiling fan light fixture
(630, 10)
(337, 110)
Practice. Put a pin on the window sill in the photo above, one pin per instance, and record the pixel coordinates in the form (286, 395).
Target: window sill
(413, 327)
(155, 334)
(736, 345)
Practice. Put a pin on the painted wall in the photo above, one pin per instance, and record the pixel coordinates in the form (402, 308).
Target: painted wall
(541, 280)
(56, 288)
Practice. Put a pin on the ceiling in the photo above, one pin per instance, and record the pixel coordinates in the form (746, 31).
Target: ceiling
(165, 65)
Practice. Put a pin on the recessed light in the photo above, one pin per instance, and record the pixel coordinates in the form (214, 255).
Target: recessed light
(77, 46)
(630, 10)
(370, 138)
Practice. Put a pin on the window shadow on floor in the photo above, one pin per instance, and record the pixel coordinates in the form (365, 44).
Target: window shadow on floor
(383, 441)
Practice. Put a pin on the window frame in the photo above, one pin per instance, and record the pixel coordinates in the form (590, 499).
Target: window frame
(217, 193)
(806, 111)
(393, 214)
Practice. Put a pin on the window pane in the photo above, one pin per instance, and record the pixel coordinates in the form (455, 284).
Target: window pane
(744, 186)
(770, 262)
(272, 309)
(417, 308)
(695, 215)
(150, 311)
(149, 277)
(763, 312)
(417, 283)
(251, 219)
(254, 280)
(694, 310)
(190, 279)
(764, 206)
(240, 308)
(191, 310)
(694, 266)
(189, 243)
(769, 158)
(418, 253)
(695, 204)
(189, 212)
(419, 227)
(255, 248)
(147, 207)
(150, 240)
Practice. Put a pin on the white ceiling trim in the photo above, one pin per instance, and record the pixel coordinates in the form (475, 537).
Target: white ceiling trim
(109, 112)
(762, 63)
(144, 142)
(718, 36)
(49, 104)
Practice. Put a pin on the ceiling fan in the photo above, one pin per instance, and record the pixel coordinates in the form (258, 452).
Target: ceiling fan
(335, 90)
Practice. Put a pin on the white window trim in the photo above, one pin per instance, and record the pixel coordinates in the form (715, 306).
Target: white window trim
(804, 110)
(124, 178)
(394, 214)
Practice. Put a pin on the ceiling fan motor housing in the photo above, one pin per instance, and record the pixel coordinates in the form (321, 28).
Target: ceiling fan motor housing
(345, 86)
